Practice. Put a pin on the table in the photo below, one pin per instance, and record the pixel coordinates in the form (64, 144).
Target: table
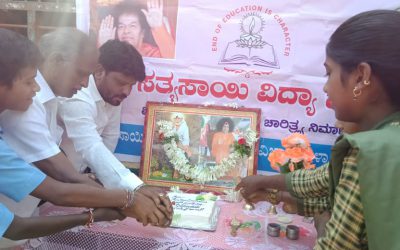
(129, 234)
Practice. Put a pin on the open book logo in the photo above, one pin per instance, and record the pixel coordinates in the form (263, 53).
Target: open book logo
(250, 49)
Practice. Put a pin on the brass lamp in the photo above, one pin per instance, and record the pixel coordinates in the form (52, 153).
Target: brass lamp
(272, 197)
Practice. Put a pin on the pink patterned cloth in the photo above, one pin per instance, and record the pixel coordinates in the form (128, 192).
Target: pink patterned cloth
(129, 234)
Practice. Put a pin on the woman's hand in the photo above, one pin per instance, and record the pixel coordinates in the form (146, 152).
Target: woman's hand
(251, 185)
(320, 222)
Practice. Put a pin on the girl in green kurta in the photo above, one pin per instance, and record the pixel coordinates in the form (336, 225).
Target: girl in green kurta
(363, 85)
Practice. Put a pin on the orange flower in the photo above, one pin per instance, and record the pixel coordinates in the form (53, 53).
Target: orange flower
(308, 154)
(297, 154)
(277, 158)
(295, 140)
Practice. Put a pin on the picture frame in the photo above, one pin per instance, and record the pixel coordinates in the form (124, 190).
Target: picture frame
(206, 136)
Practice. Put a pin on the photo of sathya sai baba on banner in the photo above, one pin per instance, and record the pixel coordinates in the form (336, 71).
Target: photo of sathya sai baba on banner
(194, 145)
(148, 25)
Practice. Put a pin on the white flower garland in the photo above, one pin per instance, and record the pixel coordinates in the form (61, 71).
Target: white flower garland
(200, 174)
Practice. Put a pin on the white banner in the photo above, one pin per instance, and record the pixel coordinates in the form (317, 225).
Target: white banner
(258, 54)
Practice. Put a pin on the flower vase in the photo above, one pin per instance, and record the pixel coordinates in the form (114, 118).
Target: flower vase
(240, 170)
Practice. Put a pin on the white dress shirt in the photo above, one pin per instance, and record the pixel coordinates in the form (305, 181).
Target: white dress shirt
(34, 134)
(92, 129)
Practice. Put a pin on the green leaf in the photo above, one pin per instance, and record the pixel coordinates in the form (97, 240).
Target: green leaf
(299, 165)
(242, 149)
(200, 198)
(284, 169)
(257, 225)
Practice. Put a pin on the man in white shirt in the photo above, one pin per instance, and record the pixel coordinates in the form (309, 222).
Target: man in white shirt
(69, 59)
(92, 116)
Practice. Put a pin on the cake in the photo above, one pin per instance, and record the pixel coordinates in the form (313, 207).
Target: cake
(193, 210)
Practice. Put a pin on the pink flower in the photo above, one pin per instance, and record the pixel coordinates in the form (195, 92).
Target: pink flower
(228, 222)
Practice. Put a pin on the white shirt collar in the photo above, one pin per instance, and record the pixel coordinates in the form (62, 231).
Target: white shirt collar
(45, 94)
(92, 88)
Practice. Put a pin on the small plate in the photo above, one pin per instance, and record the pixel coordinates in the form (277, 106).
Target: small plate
(212, 227)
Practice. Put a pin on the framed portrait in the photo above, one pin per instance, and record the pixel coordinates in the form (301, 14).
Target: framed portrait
(206, 137)
(148, 25)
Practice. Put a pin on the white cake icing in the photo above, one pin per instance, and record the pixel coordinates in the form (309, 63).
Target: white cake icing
(193, 210)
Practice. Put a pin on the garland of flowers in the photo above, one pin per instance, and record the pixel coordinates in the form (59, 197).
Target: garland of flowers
(170, 139)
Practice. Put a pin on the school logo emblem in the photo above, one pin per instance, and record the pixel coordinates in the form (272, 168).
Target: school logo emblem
(250, 48)
(258, 46)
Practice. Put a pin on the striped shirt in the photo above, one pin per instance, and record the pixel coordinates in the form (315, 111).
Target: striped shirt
(346, 228)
